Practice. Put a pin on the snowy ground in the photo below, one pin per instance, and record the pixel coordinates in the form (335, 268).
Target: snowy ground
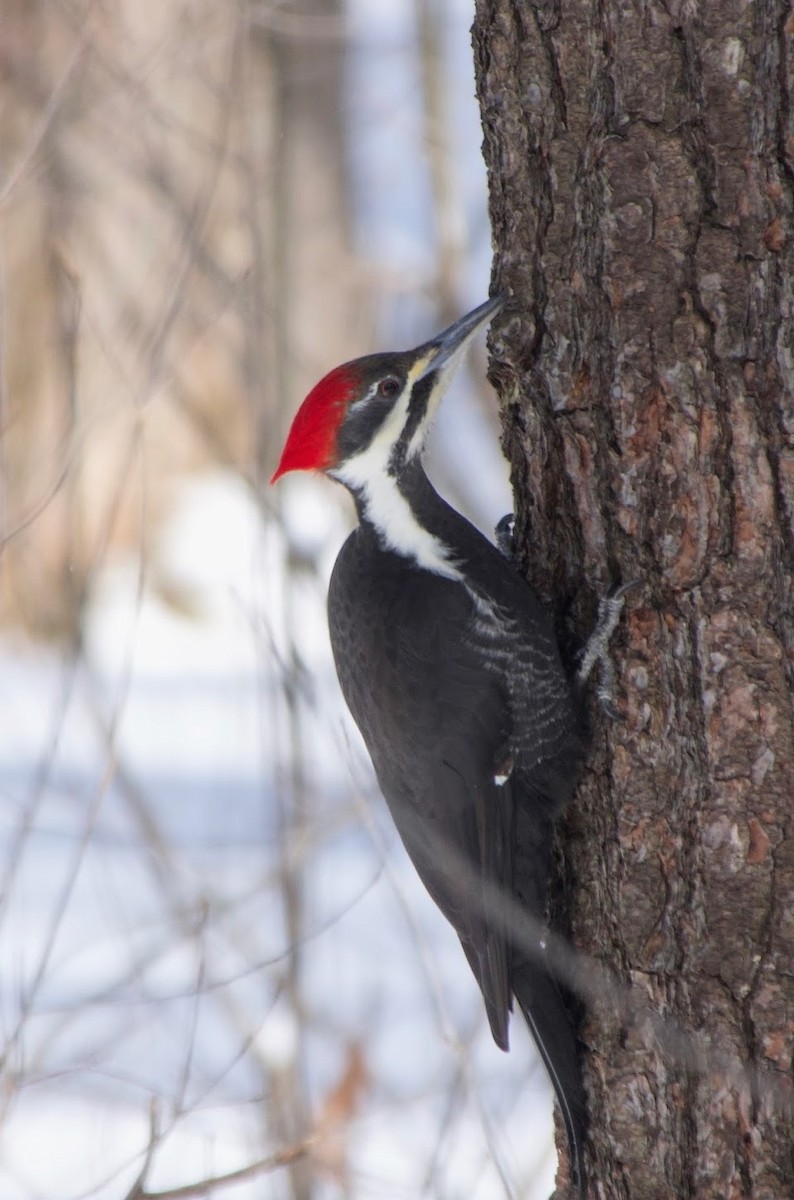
(170, 790)
(147, 811)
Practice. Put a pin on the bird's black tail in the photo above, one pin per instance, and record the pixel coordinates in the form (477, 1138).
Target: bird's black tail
(548, 1012)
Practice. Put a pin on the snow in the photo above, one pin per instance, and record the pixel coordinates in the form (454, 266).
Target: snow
(162, 788)
(142, 935)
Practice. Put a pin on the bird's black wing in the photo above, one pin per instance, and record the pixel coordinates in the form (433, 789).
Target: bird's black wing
(437, 725)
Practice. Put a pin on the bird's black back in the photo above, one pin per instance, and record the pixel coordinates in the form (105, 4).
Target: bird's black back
(456, 683)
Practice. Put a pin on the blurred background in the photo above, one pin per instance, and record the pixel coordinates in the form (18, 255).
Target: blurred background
(214, 956)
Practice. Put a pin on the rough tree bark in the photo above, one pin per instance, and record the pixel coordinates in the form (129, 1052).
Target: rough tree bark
(641, 161)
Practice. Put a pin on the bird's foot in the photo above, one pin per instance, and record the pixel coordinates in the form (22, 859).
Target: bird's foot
(596, 650)
(504, 535)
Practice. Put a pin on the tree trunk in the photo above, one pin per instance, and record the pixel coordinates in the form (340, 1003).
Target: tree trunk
(641, 161)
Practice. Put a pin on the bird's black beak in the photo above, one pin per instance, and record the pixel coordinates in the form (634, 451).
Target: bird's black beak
(449, 343)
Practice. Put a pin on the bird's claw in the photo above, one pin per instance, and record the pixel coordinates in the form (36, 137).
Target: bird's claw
(596, 650)
(504, 535)
(617, 590)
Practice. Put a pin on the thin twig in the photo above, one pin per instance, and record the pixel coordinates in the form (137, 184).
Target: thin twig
(261, 1166)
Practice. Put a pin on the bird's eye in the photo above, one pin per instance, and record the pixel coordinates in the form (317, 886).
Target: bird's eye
(388, 387)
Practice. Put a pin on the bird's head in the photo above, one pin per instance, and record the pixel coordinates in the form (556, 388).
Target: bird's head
(373, 414)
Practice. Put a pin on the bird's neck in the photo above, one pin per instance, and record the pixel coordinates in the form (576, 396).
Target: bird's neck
(399, 510)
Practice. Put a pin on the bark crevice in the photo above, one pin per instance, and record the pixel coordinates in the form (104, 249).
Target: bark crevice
(640, 166)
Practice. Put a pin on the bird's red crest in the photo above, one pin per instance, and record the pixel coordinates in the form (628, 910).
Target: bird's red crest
(312, 437)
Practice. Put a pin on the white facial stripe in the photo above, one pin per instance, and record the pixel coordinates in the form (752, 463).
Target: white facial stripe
(388, 510)
(444, 378)
(373, 391)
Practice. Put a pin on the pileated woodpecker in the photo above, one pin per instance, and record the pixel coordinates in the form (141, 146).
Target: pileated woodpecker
(450, 667)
